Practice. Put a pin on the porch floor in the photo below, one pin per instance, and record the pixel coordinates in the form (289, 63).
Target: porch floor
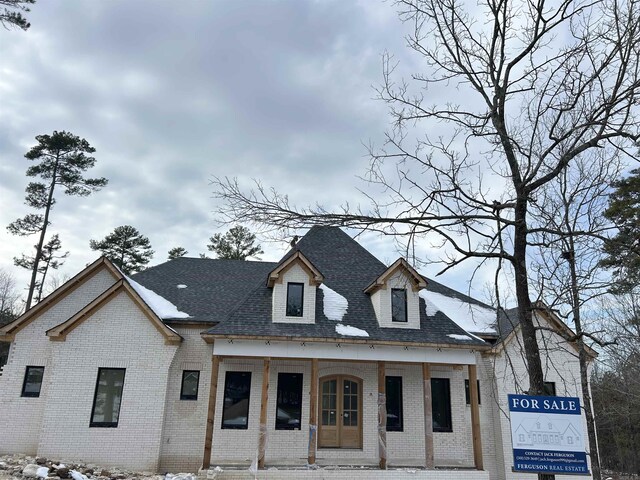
(341, 472)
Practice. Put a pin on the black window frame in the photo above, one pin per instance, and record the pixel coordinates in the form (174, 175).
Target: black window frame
(406, 313)
(400, 413)
(95, 397)
(286, 310)
(224, 396)
(446, 428)
(550, 389)
(281, 376)
(467, 393)
(185, 396)
(26, 394)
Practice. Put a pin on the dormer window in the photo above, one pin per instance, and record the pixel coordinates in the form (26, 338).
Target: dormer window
(399, 305)
(295, 295)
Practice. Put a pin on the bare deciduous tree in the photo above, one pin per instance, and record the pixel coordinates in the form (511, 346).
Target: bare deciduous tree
(512, 92)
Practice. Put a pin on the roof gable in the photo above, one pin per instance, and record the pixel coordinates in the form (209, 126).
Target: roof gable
(60, 332)
(298, 258)
(399, 265)
(8, 332)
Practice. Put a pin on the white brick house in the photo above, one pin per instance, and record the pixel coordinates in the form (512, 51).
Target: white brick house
(327, 357)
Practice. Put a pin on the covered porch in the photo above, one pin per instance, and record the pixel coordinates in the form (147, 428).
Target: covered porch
(341, 430)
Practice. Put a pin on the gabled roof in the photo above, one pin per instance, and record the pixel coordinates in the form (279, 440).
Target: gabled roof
(419, 281)
(509, 324)
(60, 332)
(287, 262)
(207, 289)
(8, 332)
(348, 268)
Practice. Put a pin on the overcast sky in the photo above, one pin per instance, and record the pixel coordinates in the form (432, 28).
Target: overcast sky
(172, 93)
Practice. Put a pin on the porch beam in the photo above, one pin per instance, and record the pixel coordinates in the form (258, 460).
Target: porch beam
(313, 413)
(475, 417)
(213, 390)
(262, 429)
(428, 417)
(382, 416)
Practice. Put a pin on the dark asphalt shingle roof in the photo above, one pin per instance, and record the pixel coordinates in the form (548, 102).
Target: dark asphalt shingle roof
(214, 287)
(235, 293)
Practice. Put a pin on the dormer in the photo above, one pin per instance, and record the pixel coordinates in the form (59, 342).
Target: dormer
(394, 296)
(294, 282)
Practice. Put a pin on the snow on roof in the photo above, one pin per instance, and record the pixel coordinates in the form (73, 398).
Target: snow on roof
(459, 337)
(335, 305)
(350, 331)
(162, 307)
(468, 316)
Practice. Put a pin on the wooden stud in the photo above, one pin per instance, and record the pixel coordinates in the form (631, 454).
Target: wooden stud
(382, 416)
(262, 429)
(475, 417)
(213, 389)
(313, 413)
(428, 417)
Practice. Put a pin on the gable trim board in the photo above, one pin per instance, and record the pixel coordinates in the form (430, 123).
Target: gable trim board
(60, 332)
(8, 332)
(315, 276)
(555, 322)
(401, 264)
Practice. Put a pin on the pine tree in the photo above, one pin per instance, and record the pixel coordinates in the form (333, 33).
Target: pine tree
(49, 259)
(15, 19)
(237, 244)
(176, 252)
(127, 248)
(623, 250)
(61, 158)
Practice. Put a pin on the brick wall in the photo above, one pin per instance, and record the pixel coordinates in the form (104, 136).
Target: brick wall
(560, 364)
(21, 418)
(294, 274)
(381, 301)
(118, 335)
(185, 421)
(290, 447)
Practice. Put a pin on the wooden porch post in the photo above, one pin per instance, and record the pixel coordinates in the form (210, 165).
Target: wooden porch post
(213, 390)
(382, 416)
(475, 417)
(428, 417)
(313, 413)
(262, 429)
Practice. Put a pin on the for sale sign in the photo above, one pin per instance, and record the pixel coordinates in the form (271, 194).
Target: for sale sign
(547, 435)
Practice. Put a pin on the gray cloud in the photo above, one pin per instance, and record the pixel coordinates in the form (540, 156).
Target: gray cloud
(172, 93)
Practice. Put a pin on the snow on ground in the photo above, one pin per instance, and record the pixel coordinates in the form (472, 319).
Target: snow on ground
(160, 305)
(350, 331)
(468, 316)
(335, 305)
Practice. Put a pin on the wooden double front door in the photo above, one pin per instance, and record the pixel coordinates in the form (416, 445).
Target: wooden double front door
(340, 408)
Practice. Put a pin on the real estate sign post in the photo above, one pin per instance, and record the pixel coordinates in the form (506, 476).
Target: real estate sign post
(547, 434)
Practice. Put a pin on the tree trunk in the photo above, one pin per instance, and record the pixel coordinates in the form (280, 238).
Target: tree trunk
(525, 311)
(584, 374)
(43, 232)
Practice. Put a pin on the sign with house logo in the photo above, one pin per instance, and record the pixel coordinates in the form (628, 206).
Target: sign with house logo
(547, 435)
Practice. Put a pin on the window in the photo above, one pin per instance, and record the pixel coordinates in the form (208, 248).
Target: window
(441, 405)
(467, 393)
(294, 299)
(108, 397)
(189, 389)
(398, 305)
(32, 381)
(235, 410)
(521, 437)
(289, 403)
(550, 389)
(394, 404)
